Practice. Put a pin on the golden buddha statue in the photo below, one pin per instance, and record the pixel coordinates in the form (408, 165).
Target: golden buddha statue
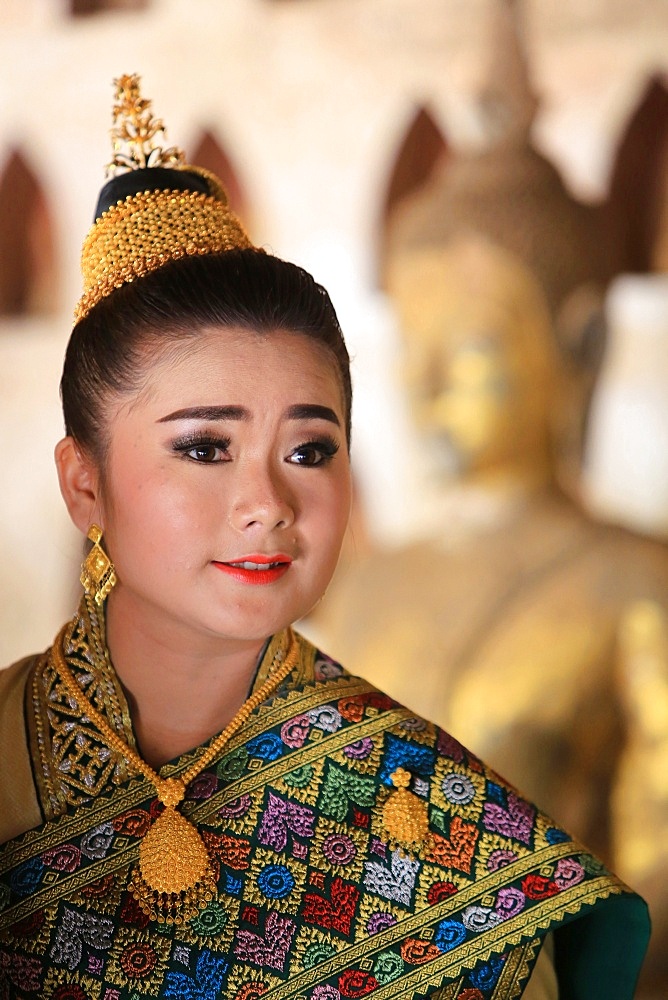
(506, 190)
(503, 625)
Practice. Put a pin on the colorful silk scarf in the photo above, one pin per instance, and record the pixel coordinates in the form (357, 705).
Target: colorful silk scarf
(314, 901)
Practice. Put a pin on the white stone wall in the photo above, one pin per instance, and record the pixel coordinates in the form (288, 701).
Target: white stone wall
(311, 98)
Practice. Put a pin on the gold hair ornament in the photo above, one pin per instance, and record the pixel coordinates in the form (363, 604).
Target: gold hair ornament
(143, 231)
(136, 134)
(175, 877)
(98, 574)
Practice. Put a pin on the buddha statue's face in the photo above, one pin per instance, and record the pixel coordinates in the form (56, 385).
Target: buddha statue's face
(477, 369)
(468, 397)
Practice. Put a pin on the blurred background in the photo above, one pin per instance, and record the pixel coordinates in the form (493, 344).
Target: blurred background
(482, 186)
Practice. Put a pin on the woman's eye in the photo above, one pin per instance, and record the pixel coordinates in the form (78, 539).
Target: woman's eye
(207, 452)
(313, 453)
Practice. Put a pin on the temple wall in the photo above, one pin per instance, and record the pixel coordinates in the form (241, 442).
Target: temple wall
(310, 101)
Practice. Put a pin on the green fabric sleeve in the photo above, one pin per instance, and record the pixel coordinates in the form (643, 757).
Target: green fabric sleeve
(598, 955)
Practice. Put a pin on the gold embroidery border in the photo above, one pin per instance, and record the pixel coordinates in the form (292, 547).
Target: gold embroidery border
(517, 970)
(512, 981)
(509, 933)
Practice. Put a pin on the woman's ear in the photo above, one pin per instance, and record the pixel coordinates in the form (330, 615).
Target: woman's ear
(79, 483)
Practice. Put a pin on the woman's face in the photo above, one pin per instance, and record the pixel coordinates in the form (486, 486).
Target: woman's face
(226, 489)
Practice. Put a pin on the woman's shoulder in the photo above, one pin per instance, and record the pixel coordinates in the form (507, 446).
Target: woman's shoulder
(13, 681)
(16, 674)
(19, 810)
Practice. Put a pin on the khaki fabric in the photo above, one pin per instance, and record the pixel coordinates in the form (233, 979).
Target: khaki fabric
(19, 809)
(543, 983)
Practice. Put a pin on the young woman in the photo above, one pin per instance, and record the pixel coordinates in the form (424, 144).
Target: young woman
(194, 801)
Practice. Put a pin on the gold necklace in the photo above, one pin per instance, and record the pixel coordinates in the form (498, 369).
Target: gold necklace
(175, 877)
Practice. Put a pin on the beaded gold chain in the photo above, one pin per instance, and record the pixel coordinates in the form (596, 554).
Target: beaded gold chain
(176, 876)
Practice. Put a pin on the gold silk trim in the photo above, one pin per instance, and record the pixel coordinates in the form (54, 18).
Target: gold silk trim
(517, 970)
(145, 231)
(71, 762)
(512, 980)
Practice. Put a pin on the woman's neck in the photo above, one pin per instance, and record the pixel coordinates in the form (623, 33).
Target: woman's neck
(180, 692)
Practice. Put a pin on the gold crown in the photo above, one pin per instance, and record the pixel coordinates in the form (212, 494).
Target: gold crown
(144, 230)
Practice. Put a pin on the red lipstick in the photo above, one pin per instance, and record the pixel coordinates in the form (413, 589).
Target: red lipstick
(256, 568)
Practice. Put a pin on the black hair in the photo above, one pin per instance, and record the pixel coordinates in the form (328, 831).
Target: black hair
(239, 288)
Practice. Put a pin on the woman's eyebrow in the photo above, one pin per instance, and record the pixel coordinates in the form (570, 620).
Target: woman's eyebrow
(208, 413)
(300, 411)
(312, 411)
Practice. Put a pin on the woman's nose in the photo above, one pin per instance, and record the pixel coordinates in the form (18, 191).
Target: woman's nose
(262, 500)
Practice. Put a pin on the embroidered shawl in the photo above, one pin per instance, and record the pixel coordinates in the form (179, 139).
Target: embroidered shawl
(314, 901)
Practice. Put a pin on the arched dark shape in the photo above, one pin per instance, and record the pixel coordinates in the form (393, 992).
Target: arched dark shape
(27, 253)
(79, 8)
(422, 148)
(420, 153)
(209, 153)
(639, 182)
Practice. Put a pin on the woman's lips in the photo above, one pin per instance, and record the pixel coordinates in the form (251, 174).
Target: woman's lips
(256, 569)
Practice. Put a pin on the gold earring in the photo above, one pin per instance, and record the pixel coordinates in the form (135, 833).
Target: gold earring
(98, 574)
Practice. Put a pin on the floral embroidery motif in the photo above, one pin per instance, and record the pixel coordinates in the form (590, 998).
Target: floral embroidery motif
(509, 902)
(96, 844)
(500, 858)
(359, 750)
(337, 912)
(379, 922)
(138, 960)
(76, 930)
(64, 858)
(449, 934)
(339, 849)
(480, 918)
(458, 789)
(357, 983)
(275, 881)
(568, 872)
(388, 966)
(270, 950)
(343, 788)
(325, 717)
(396, 882)
(269, 746)
(282, 817)
(206, 982)
(203, 786)
(515, 820)
(21, 971)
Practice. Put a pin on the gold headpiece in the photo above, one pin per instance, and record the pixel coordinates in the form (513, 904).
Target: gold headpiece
(155, 208)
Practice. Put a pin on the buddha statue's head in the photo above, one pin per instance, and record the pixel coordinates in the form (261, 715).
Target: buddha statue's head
(480, 363)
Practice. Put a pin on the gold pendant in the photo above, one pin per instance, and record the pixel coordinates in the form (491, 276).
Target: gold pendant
(175, 877)
(405, 816)
(172, 855)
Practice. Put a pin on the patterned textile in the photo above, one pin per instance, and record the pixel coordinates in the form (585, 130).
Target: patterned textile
(314, 902)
